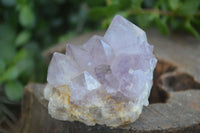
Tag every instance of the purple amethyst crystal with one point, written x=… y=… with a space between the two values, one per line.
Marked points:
x=105 y=81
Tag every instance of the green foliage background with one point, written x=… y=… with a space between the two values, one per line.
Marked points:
x=27 y=27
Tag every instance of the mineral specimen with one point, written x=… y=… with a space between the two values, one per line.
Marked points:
x=105 y=81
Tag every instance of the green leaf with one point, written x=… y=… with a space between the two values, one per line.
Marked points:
x=111 y=10
x=2 y=66
x=27 y=17
x=7 y=52
x=21 y=54
x=99 y=13
x=10 y=74
x=144 y=21
x=28 y=71
x=106 y=23
x=174 y=4
x=136 y=4
x=14 y=90
x=191 y=29
x=162 y=26
x=123 y=14
x=25 y=66
x=162 y=4
x=188 y=7
x=121 y=4
x=7 y=34
x=23 y=38
x=7 y=37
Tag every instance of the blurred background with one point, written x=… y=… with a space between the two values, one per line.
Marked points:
x=28 y=27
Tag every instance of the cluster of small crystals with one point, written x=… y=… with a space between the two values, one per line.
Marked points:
x=107 y=80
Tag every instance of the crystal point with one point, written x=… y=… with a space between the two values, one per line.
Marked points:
x=81 y=85
x=100 y=50
x=58 y=71
x=130 y=36
x=79 y=55
x=107 y=80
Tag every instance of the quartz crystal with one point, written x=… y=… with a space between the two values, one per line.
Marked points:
x=105 y=81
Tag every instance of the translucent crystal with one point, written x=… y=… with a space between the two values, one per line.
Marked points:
x=124 y=37
x=58 y=72
x=81 y=85
x=107 y=80
x=100 y=50
x=79 y=55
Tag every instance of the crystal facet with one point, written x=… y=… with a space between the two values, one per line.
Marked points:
x=58 y=71
x=105 y=81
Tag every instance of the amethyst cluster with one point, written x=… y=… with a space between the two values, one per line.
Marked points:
x=107 y=80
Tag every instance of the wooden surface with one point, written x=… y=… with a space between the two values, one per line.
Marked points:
x=175 y=95
x=180 y=114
